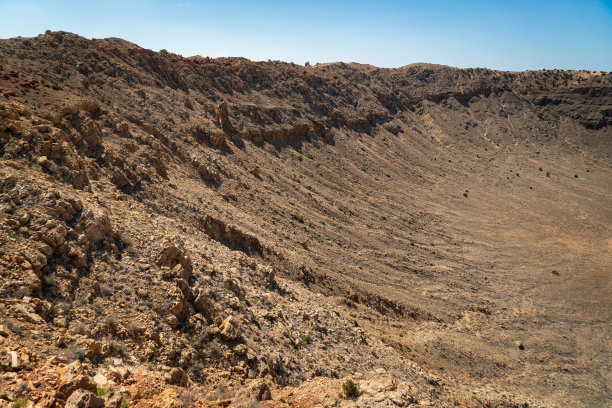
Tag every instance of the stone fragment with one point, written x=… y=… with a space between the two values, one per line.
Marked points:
x=16 y=362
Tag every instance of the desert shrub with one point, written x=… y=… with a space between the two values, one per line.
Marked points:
x=21 y=402
x=349 y=388
x=74 y=352
x=188 y=397
x=219 y=393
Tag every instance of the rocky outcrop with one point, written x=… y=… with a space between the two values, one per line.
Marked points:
x=231 y=236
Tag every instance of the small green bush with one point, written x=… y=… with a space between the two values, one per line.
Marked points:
x=57 y=88
x=21 y=402
x=349 y=388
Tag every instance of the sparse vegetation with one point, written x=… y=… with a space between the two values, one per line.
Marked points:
x=219 y=393
x=233 y=311
x=349 y=389
x=21 y=402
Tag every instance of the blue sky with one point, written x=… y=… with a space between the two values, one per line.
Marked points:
x=508 y=35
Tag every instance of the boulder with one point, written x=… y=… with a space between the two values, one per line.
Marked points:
x=230 y=329
x=123 y=129
x=56 y=236
x=28 y=313
x=37 y=259
x=96 y=224
x=173 y=253
x=113 y=400
x=73 y=378
x=84 y=399
x=31 y=282
x=203 y=302
x=177 y=376
x=178 y=308
x=4 y=331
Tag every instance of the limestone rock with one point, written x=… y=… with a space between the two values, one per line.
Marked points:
x=230 y=329
x=96 y=224
x=84 y=399
x=16 y=362
x=72 y=378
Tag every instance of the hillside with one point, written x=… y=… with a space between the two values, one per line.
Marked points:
x=222 y=231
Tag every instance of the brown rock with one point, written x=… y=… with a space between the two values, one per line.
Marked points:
x=31 y=282
x=174 y=253
x=28 y=313
x=177 y=308
x=113 y=400
x=230 y=329
x=97 y=224
x=84 y=399
x=169 y=398
x=37 y=259
x=185 y=288
x=203 y=302
x=177 y=376
x=4 y=331
x=72 y=378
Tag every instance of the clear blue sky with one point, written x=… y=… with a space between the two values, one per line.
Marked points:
x=507 y=35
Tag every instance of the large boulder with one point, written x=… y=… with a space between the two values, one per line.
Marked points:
x=72 y=378
x=96 y=224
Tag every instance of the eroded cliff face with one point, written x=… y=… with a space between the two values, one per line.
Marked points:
x=196 y=229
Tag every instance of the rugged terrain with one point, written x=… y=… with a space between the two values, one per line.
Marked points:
x=194 y=231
